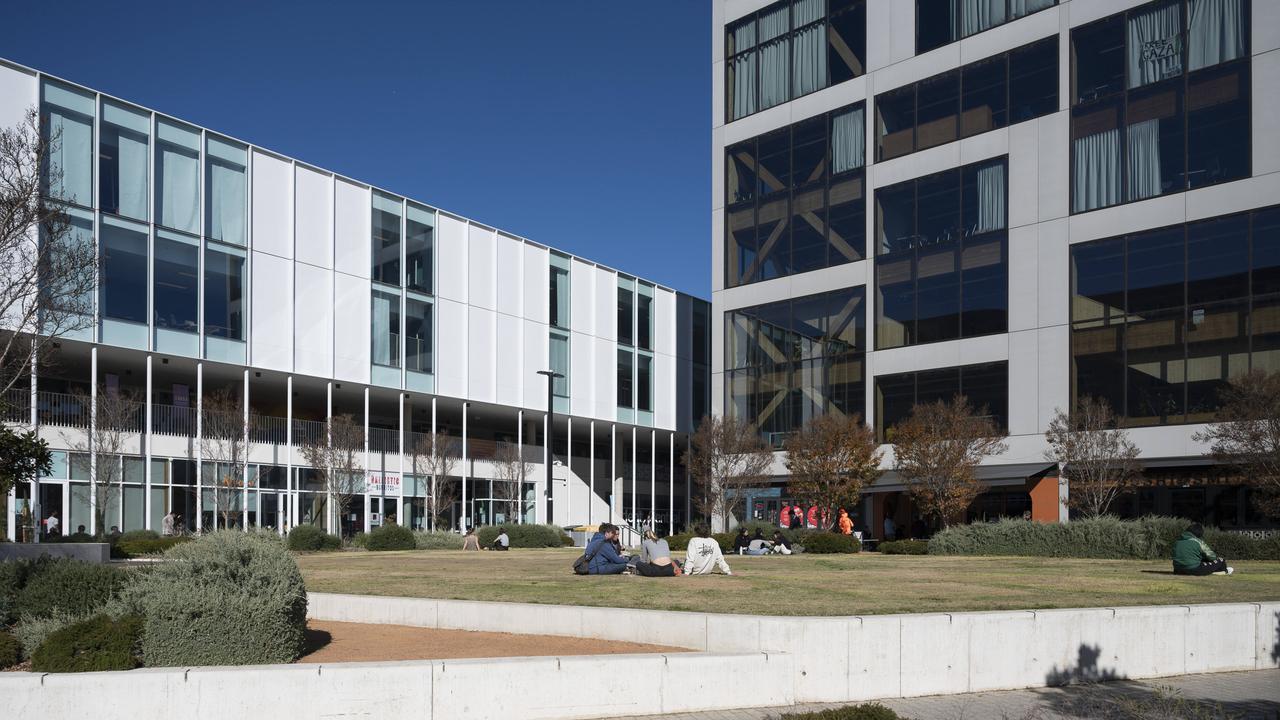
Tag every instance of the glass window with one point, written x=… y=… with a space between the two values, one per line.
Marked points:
x=177 y=283
x=385 y=310
x=937 y=110
x=1098 y=59
x=224 y=294
x=1095 y=156
x=1097 y=364
x=896 y=217
x=984 y=286
x=940 y=22
x=560 y=363
x=1218 y=126
x=937 y=295
x=644 y=382
x=1033 y=80
x=122 y=160
x=626 y=361
x=66 y=118
x=1154 y=141
x=984 y=104
x=986 y=387
x=1097 y=282
x=559 y=293
x=846 y=222
x=938 y=207
x=740 y=69
x=809 y=47
x=1155 y=271
x=846 y=39
x=1264 y=271
x=225 y=188
x=386 y=239
x=896 y=120
x=935 y=24
x=895 y=301
x=626 y=316
x=419 y=248
x=773 y=26
x=417 y=331
x=177 y=176
x=122 y=289
x=1218 y=260
x=644 y=318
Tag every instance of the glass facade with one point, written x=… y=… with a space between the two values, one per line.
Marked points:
x=123 y=139
x=386 y=239
x=224 y=293
x=417 y=332
x=226 y=215
x=559 y=347
x=385 y=328
x=122 y=260
x=941 y=22
x=1162 y=319
x=558 y=304
x=66 y=117
x=177 y=200
x=419 y=249
x=176 y=282
x=986 y=386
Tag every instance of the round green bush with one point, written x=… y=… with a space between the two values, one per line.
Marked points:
x=136 y=535
x=437 y=540
x=904 y=547
x=523 y=536
x=827 y=543
x=10 y=650
x=99 y=643
x=390 y=537
x=307 y=538
x=228 y=598
x=69 y=586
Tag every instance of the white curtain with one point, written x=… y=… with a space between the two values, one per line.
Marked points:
x=1018 y=8
x=133 y=175
x=979 y=15
x=1216 y=32
x=179 y=191
x=774 y=50
x=227 y=199
x=1096 y=178
x=809 y=49
x=1142 y=159
x=848 y=141
x=1155 y=44
x=381 y=330
x=744 y=85
x=991 y=199
x=72 y=159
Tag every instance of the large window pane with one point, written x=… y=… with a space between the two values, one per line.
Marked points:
x=808 y=47
x=808 y=230
x=122 y=161
x=1217 y=350
x=895 y=301
x=1217 y=31
x=938 y=108
x=419 y=248
x=1154 y=43
x=1095 y=157
x=1217 y=260
x=984 y=199
x=386 y=239
x=626 y=316
x=1218 y=126
x=1033 y=80
x=1156 y=271
x=1154 y=141
x=644 y=318
x=559 y=300
x=1097 y=282
x=1097 y=365
x=417 y=332
x=987 y=389
x=985 y=287
x=935 y=24
x=225 y=187
x=644 y=383
x=773 y=27
x=559 y=359
x=626 y=363
x=177 y=176
x=67 y=121
x=896 y=217
x=223 y=294
x=937 y=295
x=847 y=39
x=1265 y=256
x=938 y=207
x=122 y=287
x=1155 y=369
x=1098 y=59
x=846 y=221
x=177 y=284
x=385 y=336
x=983 y=106
x=895 y=122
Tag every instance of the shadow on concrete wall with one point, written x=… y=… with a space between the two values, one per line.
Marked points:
x=1086 y=669
x=1275 y=649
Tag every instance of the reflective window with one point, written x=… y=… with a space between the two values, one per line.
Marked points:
x=225 y=188
x=419 y=248
x=177 y=176
x=986 y=386
x=123 y=137
x=417 y=335
x=177 y=282
x=122 y=287
x=385 y=335
x=941 y=22
x=224 y=293
x=559 y=360
x=626 y=315
x=559 y=300
x=644 y=382
x=644 y=317
x=626 y=369
x=66 y=118
x=386 y=239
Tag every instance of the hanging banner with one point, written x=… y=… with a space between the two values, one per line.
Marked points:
x=382 y=483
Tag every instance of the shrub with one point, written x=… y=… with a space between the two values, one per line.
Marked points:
x=437 y=540
x=826 y=543
x=865 y=711
x=136 y=535
x=10 y=650
x=359 y=540
x=566 y=541
x=78 y=537
x=523 y=536
x=229 y=598
x=99 y=643
x=32 y=631
x=71 y=586
x=145 y=546
x=13 y=577
x=905 y=547
x=308 y=537
x=390 y=537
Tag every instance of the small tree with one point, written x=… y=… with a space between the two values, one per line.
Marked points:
x=1100 y=460
x=435 y=457
x=510 y=470
x=725 y=456
x=830 y=460
x=23 y=458
x=338 y=459
x=223 y=442
x=118 y=422
x=1246 y=434
x=937 y=453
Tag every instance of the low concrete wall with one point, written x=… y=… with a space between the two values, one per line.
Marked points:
x=881 y=656
x=88 y=552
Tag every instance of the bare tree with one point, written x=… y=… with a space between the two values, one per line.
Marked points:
x=338 y=458
x=831 y=459
x=435 y=456
x=938 y=451
x=48 y=267
x=725 y=456
x=1246 y=434
x=105 y=441
x=510 y=469
x=223 y=442
x=1100 y=460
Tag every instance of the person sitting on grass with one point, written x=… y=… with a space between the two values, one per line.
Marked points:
x=502 y=542
x=655 y=558
x=742 y=542
x=781 y=545
x=1193 y=556
x=604 y=557
x=703 y=554
x=470 y=541
x=758 y=545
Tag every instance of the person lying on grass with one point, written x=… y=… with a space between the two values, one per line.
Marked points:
x=1193 y=556
x=703 y=554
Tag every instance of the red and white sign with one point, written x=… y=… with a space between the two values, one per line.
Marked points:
x=382 y=484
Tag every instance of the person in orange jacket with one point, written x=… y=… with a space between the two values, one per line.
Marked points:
x=846 y=525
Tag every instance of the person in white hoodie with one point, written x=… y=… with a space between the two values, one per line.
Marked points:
x=703 y=555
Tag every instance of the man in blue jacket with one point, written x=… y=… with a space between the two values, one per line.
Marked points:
x=605 y=559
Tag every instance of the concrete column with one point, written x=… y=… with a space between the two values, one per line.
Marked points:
x=400 y=493
x=671 y=488
x=591 y=450
x=328 y=441
x=432 y=508
x=653 y=479
x=632 y=520
x=568 y=475
x=613 y=470
x=285 y=508
x=520 y=453
x=244 y=470
x=540 y=507
x=199 y=449
x=466 y=512
x=146 y=449
x=93 y=451
x=367 y=463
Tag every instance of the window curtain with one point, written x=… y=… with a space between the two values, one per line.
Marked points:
x=1216 y=32
x=774 y=28
x=227 y=214
x=72 y=157
x=1142 y=159
x=1018 y=8
x=1155 y=44
x=133 y=174
x=179 y=198
x=991 y=199
x=1095 y=180
x=979 y=15
x=809 y=49
x=848 y=141
x=744 y=71
x=381 y=329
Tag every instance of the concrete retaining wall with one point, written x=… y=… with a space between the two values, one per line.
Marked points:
x=86 y=552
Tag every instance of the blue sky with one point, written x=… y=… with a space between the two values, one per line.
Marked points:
x=582 y=124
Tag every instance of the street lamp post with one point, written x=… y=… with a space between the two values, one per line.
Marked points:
x=551 y=375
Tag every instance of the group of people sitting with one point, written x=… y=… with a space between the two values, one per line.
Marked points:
x=758 y=545
x=605 y=555
x=471 y=541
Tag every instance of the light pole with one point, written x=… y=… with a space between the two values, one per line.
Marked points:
x=551 y=375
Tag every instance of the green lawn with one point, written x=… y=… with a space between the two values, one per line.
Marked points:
x=797 y=585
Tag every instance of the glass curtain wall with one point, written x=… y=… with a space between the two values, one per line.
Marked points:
x=123 y=139
x=122 y=286
x=941 y=22
x=225 y=191
x=386 y=239
x=385 y=333
x=66 y=117
x=985 y=386
x=224 y=293
x=419 y=248
x=176 y=286
x=418 y=336
x=558 y=302
x=177 y=176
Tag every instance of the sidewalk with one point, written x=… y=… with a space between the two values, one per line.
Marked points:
x=1241 y=696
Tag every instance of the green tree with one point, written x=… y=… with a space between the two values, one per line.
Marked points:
x=23 y=457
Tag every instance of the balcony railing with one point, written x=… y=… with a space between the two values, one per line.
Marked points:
x=384 y=440
x=15 y=406
x=308 y=432
x=269 y=430
x=61 y=410
x=174 y=420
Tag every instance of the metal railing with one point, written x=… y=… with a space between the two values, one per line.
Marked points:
x=268 y=429
x=308 y=432
x=173 y=420
x=16 y=406
x=384 y=440
x=61 y=410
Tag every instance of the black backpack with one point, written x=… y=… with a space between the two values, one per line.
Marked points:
x=582 y=565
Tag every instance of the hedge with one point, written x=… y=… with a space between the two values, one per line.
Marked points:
x=136 y=535
x=13 y=577
x=1108 y=538
x=69 y=586
x=32 y=631
x=904 y=547
x=390 y=537
x=865 y=711
x=146 y=546
x=437 y=540
x=229 y=598
x=523 y=536
x=826 y=543
x=308 y=537
x=99 y=643
x=10 y=650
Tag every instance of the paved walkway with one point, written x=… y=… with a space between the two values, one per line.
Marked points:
x=1238 y=696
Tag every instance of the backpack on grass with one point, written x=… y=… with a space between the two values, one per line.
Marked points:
x=582 y=565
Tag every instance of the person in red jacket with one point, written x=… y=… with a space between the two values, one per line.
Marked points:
x=846 y=525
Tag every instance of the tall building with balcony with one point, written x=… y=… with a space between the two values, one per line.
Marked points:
x=1022 y=201
x=227 y=269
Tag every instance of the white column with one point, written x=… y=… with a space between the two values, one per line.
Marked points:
x=367 y=464
x=671 y=491
x=285 y=507
x=244 y=490
x=93 y=451
x=465 y=515
x=400 y=493
x=540 y=511
x=199 y=449
x=328 y=441
x=613 y=470
x=591 y=472
x=568 y=474
x=520 y=453
x=433 y=509
x=146 y=449
x=653 y=479
x=632 y=520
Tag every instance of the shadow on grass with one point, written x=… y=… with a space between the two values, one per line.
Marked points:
x=314 y=640
x=1156 y=572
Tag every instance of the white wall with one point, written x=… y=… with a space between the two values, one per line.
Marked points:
x=351 y=329
x=272 y=205
x=352 y=229
x=313 y=321
x=270 y=317
x=313 y=217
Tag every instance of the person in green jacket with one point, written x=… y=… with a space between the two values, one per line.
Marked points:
x=1193 y=556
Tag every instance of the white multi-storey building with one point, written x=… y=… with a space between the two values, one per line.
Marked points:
x=225 y=267
x=1022 y=201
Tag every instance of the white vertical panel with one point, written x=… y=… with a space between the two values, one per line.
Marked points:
x=351 y=328
x=510 y=361
x=451 y=253
x=481 y=364
x=352 y=230
x=1022 y=174
x=20 y=92
x=581 y=296
x=451 y=350
x=536 y=354
x=1022 y=262
x=664 y=321
x=1023 y=381
x=1053 y=364
x=313 y=217
x=606 y=379
x=1266 y=111
x=537 y=285
x=272 y=205
x=313 y=321
x=509 y=252
x=879 y=15
x=1053 y=164
x=581 y=387
x=606 y=304
x=272 y=296
x=481 y=270
x=1053 y=290
x=664 y=391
